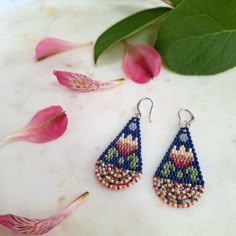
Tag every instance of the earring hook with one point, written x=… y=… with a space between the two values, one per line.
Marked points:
x=138 y=105
x=185 y=123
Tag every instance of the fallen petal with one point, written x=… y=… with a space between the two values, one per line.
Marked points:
x=46 y=125
x=83 y=83
x=28 y=226
x=50 y=46
x=141 y=63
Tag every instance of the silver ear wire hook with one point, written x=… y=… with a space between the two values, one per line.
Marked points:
x=139 y=113
x=185 y=123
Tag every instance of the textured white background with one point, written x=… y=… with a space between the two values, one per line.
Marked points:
x=39 y=180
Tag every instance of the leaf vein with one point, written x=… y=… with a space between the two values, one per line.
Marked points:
x=200 y=54
x=223 y=47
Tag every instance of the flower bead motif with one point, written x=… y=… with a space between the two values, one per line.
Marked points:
x=178 y=180
x=120 y=165
x=181 y=157
x=127 y=145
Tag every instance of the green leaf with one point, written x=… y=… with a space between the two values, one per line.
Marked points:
x=199 y=37
x=127 y=27
x=176 y=2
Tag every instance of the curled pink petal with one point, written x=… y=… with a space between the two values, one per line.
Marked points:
x=50 y=46
x=46 y=125
x=83 y=83
x=141 y=63
x=28 y=226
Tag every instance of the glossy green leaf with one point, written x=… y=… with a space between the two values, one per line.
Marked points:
x=199 y=37
x=127 y=27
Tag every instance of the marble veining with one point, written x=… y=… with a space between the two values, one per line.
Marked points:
x=39 y=180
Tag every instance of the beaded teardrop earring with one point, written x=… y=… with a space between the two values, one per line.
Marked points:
x=120 y=165
x=178 y=180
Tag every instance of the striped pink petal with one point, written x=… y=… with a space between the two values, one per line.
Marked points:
x=28 y=226
x=141 y=63
x=46 y=125
x=83 y=83
x=50 y=46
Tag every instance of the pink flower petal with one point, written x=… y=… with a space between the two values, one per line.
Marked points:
x=141 y=63
x=46 y=125
x=50 y=46
x=83 y=83
x=28 y=226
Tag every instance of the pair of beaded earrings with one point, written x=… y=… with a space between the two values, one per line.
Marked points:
x=177 y=181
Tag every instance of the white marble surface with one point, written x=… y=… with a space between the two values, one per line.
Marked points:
x=39 y=180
